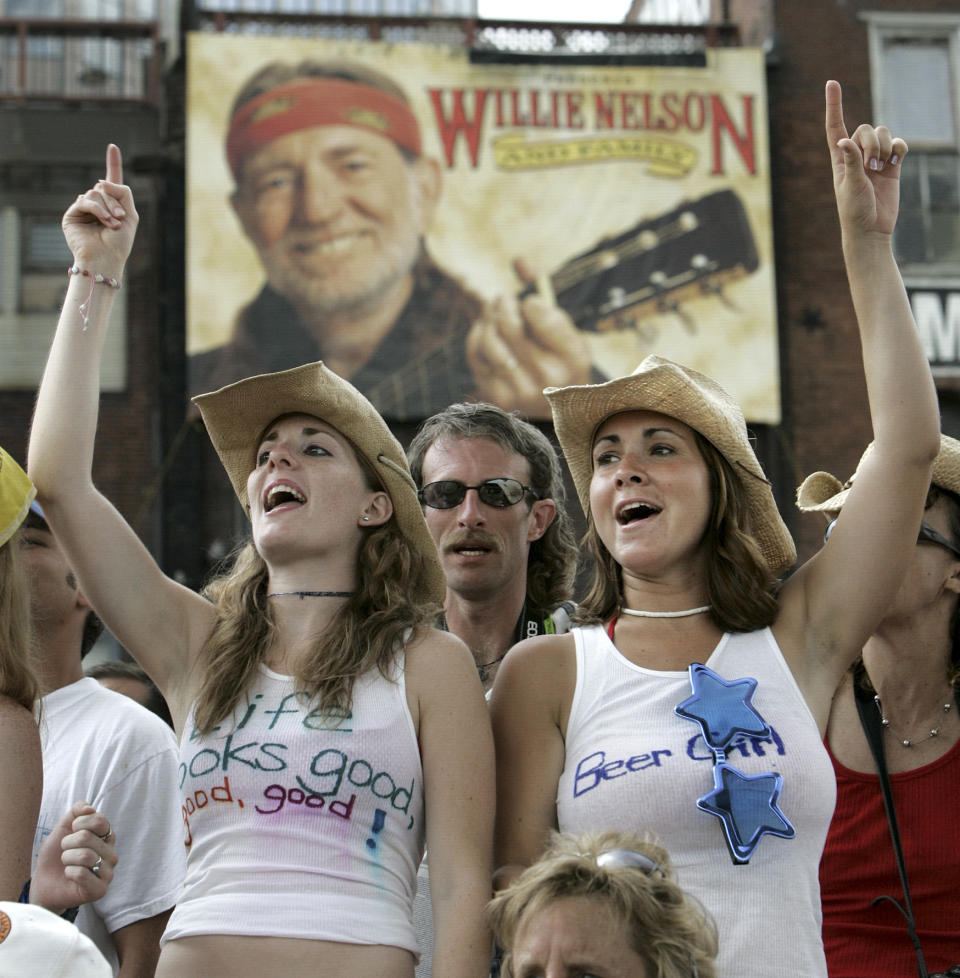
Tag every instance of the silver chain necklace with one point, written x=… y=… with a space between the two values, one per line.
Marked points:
x=904 y=742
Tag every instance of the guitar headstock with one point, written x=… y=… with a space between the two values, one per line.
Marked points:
x=655 y=266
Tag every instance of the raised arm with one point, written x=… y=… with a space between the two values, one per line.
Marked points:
x=160 y=622
x=834 y=603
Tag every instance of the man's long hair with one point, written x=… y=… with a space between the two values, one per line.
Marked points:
x=553 y=558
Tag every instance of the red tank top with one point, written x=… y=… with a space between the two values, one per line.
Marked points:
x=858 y=865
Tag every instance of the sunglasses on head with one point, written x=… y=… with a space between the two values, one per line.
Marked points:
x=630 y=859
x=627 y=858
x=499 y=493
x=927 y=534
x=746 y=804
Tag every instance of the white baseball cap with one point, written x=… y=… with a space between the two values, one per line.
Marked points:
x=37 y=943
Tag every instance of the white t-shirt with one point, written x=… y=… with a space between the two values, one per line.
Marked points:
x=632 y=764
x=303 y=822
x=102 y=747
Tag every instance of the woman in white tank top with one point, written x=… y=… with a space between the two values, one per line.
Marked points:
x=611 y=727
x=320 y=716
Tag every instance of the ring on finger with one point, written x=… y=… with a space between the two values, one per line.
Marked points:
x=95 y=868
x=106 y=836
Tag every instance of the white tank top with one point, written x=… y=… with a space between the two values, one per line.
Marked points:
x=633 y=764
x=301 y=824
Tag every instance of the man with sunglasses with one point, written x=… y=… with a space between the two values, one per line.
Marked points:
x=908 y=681
x=493 y=497
x=494 y=501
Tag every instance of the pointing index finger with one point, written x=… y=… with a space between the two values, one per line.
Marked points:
x=835 y=128
x=114 y=164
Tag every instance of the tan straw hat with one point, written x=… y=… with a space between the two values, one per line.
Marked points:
x=691 y=397
x=16 y=494
x=237 y=415
x=825 y=493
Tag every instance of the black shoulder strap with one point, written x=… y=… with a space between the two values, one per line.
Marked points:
x=873 y=729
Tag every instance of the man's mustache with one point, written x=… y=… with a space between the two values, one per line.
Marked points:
x=471 y=540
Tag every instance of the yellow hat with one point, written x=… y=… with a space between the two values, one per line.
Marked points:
x=16 y=494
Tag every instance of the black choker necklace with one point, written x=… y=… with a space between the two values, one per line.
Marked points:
x=312 y=594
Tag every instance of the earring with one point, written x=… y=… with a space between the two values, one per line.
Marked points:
x=366 y=519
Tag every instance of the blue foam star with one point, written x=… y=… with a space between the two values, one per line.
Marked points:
x=747 y=807
x=723 y=708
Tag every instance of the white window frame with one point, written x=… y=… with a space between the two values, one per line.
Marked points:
x=883 y=26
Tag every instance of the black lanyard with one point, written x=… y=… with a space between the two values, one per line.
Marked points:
x=873 y=729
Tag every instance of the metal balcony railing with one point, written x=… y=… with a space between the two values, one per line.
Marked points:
x=79 y=60
x=486 y=39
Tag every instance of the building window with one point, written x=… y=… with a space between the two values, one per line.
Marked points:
x=926 y=111
x=33 y=279
x=44 y=259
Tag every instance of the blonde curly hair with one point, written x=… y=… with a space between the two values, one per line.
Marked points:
x=669 y=930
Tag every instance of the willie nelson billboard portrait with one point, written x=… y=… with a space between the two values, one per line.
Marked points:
x=436 y=230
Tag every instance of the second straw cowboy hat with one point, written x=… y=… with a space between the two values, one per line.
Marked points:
x=237 y=415
x=16 y=494
x=825 y=493
x=698 y=401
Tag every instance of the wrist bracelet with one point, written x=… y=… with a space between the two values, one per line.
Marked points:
x=96 y=278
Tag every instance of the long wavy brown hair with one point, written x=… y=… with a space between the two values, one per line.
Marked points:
x=368 y=632
x=17 y=678
x=740 y=585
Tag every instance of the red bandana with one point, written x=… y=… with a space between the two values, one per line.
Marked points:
x=311 y=102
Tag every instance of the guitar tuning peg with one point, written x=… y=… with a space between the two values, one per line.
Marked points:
x=715 y=289
x=688 y=321
x=645 y=330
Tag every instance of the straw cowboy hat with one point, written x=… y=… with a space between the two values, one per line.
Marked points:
x=16 y=494
x=825 y=493
x=237 y=415
x=691 y=397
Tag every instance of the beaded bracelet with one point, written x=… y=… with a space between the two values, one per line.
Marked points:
x=96 y=278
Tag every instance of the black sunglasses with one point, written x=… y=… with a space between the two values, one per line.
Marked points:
x=927 y=534
x=448 y=493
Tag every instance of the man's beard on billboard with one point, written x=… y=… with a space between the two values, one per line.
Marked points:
x=322 y=296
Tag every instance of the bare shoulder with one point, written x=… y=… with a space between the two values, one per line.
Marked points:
x=20 y=736
x=433 y=654
x=537 y=670
x=546 y=657
x=439 y=674
x=18 y=728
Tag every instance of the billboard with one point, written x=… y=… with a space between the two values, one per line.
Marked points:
x=438 y=230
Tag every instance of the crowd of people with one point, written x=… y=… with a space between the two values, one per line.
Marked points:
x=389 y=704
